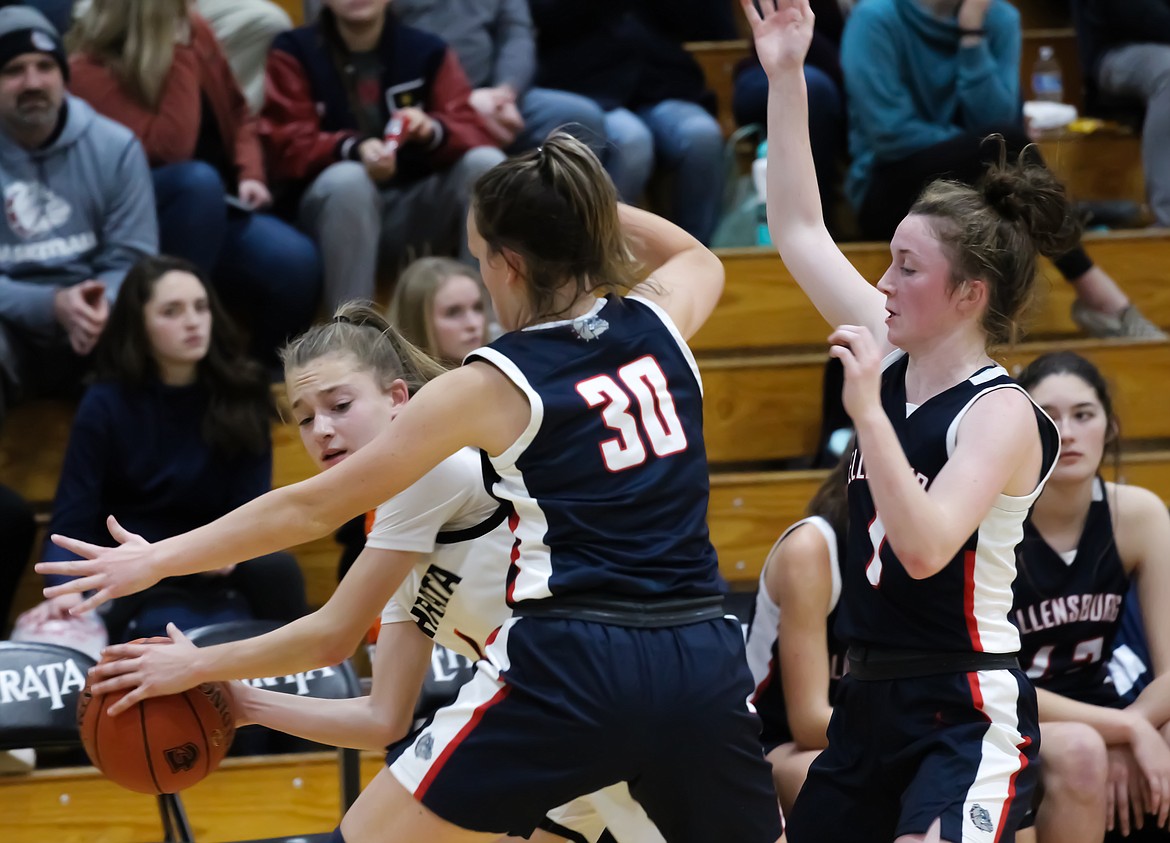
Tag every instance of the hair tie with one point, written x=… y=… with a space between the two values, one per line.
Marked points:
x=342 y=318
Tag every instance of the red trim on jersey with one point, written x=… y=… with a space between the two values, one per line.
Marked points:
x=491 y=639
x=976 y=694
x=514 y=572
x=1011 y=797
x=765 y=682
x=470 y=642
x=476 y=716
x=969 y=600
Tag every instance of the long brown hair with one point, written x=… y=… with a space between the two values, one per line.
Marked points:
x=412 y=310
x=134 y=37
x=239 y=407
x=556 y=208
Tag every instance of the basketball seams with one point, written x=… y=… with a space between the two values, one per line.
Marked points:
x=202 y=731
x=146 y=744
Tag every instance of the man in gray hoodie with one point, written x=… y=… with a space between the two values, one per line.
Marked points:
x=78 y=212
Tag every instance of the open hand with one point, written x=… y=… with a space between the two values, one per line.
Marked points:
x=782 y=30
x=109 y=572
x=148 y=668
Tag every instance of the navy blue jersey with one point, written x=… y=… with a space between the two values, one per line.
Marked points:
x=763 y=643
x=1069 y=612
x=609 y=480
x=965 y=606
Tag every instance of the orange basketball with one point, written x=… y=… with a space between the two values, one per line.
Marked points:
x=162 y=744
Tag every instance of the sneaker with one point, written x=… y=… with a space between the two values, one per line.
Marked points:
x=17 y=761
x=1128 y=324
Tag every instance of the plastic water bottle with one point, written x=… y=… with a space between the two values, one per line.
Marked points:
x=760 y=180
x=1047 y=79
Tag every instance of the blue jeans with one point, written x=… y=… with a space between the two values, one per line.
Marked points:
x=545 y=109
x=826 y=120
x=687 y=141
x=263 y=268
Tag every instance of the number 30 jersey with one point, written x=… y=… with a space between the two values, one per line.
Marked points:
x=609 y=480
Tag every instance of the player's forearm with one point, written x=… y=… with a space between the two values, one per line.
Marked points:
x=792 y=196
x=1154 y=702
x=351 y=723
x=305 y=644
x=1115 y=726
x=914 y=524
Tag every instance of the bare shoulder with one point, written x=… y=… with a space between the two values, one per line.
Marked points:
x=798 y=567
x=1137 y=512
x=1002 y=415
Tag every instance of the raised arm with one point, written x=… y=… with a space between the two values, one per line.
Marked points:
x=686 y=278
x=474 y=405
x=782 y=35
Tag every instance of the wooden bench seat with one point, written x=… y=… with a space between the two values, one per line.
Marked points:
x=762 y=307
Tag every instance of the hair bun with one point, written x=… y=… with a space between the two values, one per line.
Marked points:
x=1026 y=193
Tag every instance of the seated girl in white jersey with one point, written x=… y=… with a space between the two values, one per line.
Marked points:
x=934 y=730
x=618 y=664
x=795 y=658
x=1102 y=757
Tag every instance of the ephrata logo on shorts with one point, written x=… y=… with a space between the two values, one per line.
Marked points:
x=981 y=818
x=181 y=758
x=424 y=747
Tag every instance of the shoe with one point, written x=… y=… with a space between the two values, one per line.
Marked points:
x=1128 y=324
x=17 y=761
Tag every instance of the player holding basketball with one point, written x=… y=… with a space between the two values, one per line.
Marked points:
x=1084 y=543
x=619 y=664
x=347 y=380
x=934 y=733
x=795 y=658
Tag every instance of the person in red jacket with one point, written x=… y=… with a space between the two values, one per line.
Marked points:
x=371 y=134
x=157 y=68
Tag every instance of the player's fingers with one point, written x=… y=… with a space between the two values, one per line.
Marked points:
x=92 y=602
x=1162 y=809
x=1110 y=806
x=116 y=653
x=133 y=698
x=89 y=551
x=119 y=533
x=750 y=11
x=1123 y=808
x=74 y=586
x=176 y=634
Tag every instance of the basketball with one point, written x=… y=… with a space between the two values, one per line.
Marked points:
x=162 y=744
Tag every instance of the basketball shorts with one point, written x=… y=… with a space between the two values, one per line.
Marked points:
x=960 y=747
x=560 y=708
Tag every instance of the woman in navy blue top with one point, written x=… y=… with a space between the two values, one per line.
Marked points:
x=173 y=433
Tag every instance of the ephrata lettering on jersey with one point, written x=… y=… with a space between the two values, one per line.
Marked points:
x=434 y=593
x=857 y=470
x=1073 y=608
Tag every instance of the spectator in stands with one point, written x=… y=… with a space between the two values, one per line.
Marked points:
x=245 y=29
x=657 y=106
x=926 y=82
x=173 y=434
x=826 y=97
x=371 y=132
x=16 y=540
x=1125 y=54
x=441 y=306
x=79 y=212
x=496 y=46
x=156 y=67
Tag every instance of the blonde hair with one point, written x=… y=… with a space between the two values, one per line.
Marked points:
x=412 y=310
x=361 y=331
x=136 y=38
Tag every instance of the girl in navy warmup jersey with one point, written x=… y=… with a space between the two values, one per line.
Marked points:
x=1084 y=544
x=618 y=664
x=934 y=731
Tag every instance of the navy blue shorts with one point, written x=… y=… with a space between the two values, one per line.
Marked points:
x=561 y=708
x=903 y=752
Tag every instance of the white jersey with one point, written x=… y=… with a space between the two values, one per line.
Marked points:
x=455 y=593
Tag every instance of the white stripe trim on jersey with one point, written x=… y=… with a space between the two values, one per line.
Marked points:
x=658 y=311
x=544 y=326
x=1001 y=758
x=536 y=405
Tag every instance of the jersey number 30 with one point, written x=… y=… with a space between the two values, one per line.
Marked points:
x=644 y=385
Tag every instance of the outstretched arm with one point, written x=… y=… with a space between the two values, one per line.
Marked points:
x=400 y=666
x=782 y=35
x=475 y=405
